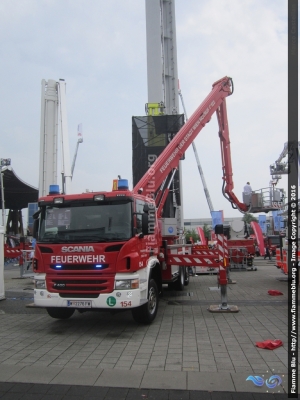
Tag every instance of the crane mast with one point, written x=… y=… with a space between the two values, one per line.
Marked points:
x=162 y=72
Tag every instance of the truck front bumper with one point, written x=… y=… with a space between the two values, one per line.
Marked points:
x=117 y=299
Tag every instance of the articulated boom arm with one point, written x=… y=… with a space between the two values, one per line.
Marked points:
x=228 y=185
x=170 y=157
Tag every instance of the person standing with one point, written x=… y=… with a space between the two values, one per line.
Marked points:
x=257 y=251
x=247 y=188
x=268 y=254
x=247 y=194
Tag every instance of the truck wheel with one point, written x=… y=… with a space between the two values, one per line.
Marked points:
x=186 y=276
x=179 y=284
x=146 y=313
x=60 y=313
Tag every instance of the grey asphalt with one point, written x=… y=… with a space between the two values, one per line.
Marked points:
x=187 y=352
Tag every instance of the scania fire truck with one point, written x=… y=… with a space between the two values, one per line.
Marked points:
x=113 y=250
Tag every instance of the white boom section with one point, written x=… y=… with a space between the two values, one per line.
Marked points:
x=48 y=136
x=162 y=75
x=66 y=166
x=154 y=52
x=206 y=192
x=79 y=140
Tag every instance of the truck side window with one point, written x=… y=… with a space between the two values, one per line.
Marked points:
x=139 y=205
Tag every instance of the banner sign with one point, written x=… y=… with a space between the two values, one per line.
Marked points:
x=278 y=221
x=262 y=222
x=217 y=218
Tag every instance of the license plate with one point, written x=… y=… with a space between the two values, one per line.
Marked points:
x=79 y=304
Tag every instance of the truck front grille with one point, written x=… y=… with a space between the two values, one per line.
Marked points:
x=68 y=286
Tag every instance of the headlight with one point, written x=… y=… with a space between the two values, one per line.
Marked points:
x=127 y=284
x=40 y=284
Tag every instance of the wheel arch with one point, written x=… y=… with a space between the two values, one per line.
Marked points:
x=155 y=273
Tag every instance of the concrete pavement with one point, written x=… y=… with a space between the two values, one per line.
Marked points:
x=186 y=352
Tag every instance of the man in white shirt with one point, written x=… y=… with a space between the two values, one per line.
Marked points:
x=247 y=188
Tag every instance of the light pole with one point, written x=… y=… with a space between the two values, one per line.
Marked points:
x=4 y=162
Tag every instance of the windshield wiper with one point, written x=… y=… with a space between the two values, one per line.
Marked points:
x=53 y=240
x=94 y=239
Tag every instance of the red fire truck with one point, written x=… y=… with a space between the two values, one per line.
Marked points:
x=113 y=250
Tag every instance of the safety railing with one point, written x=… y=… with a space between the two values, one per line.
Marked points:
x=25 y=264
x=265 y=199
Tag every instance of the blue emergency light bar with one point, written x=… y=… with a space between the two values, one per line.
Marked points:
x=123 y=184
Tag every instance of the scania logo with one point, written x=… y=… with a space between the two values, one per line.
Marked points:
x=77 y=249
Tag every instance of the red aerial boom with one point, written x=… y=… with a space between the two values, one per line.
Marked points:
x=157 y=175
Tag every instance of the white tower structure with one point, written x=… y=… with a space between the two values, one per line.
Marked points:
x=162 y=75
x=48 y=136
x=53 y=116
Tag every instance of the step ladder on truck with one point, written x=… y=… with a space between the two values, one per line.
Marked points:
x=113 y=250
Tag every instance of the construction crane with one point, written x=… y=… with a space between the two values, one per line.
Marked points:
x=282 y=168
x=206 y=192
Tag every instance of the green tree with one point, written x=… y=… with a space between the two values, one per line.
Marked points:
x=191 y=233
x=249 y=218
x=207 y=231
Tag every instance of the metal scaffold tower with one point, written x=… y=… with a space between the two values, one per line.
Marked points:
x=162 y=74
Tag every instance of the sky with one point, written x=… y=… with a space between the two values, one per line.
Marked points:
x=99 y=48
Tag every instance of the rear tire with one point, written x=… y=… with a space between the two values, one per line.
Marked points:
x=146 y=313
x=60 y=313
x=179 y=283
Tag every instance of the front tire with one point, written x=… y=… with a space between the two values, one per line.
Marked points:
x=60 y=313
x=146 y=313
x=186 y=276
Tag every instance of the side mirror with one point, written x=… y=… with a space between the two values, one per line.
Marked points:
x=145 y=223
x=35 y=228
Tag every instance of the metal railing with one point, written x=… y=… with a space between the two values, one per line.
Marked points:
x=25 y=264
x=265 y=199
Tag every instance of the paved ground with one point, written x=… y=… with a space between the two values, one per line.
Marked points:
x=187 y=353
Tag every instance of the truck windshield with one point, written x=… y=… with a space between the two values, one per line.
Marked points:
x=86 y=222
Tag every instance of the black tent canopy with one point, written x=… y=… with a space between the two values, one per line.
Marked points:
x=17 y=194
